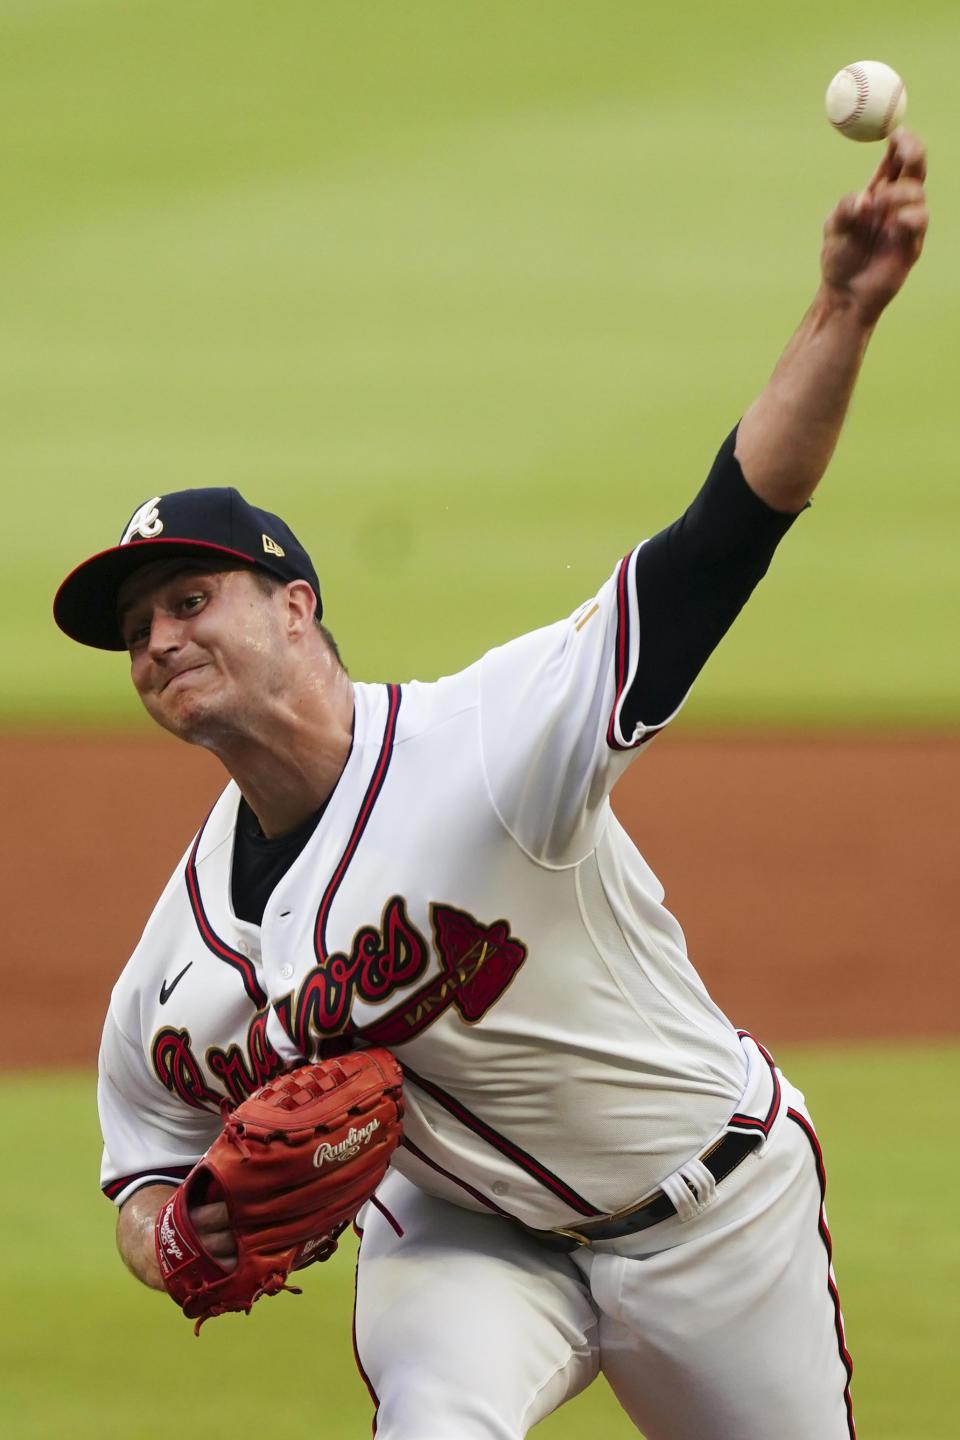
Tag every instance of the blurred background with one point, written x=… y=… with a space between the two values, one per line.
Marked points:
x=469 y=294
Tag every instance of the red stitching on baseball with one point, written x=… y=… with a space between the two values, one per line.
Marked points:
x=894 y=102
x=863 y=92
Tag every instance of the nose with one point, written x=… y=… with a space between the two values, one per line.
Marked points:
x=166 y=633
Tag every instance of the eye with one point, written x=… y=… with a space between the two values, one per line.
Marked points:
x=192 y=602
x=137 y=636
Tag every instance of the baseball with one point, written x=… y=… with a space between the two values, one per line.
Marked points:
x=865 y=101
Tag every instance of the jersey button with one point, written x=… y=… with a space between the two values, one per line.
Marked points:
x=285 y=972
x=499 y=1187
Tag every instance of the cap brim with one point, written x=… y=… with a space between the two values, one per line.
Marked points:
x=85 y=606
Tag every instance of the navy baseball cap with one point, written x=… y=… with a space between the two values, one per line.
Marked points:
x=193 y=524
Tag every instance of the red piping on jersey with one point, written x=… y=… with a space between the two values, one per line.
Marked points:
x=210 y=938
x=847 y=1363
x=375 y=1398
x=622 y=665
x=233 y=957
x=520 y=1158
x=369 y=800
x=418 y=1154
x=623 y=652
x=158 y=1175
x=752 y=1122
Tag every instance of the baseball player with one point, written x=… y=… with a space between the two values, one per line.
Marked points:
x=598 y=1171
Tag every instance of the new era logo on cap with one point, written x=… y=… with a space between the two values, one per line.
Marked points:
x=187 y=523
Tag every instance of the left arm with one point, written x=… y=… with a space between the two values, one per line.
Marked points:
x=871 y=243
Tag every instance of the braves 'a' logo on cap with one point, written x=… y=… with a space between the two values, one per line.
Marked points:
x=145 y=522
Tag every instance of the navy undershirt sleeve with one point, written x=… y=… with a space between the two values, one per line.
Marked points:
x=693 y=579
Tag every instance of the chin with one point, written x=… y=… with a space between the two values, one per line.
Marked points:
x=194 y=722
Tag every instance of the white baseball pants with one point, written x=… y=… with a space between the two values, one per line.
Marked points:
x=722 y=1327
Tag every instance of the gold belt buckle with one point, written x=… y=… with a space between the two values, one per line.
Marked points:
x=575 y=1235
x=587 y=1239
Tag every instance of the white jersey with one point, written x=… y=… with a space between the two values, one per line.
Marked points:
x=469 y=900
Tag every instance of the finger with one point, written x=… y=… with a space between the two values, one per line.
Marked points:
x=899 y=212
x=882 y=208
x=913 y=221
x=888 y=168
x=893 y=195
x=221 y=1245
x=911 y=154
x=207 y=1218
x=847 y=215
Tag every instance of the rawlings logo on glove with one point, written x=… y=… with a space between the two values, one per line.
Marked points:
x=293 y=1165
x=351 y=1144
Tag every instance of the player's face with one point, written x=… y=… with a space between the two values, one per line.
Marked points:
x=206 y=649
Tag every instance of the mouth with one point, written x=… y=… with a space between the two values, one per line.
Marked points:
x=187 y=670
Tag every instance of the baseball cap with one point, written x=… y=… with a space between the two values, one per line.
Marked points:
x=194 y=524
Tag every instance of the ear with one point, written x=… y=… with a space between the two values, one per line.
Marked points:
x=301 y=606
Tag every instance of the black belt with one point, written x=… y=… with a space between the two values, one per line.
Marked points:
x=720 y=1159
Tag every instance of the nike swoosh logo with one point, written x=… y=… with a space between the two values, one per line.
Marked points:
x=167 y=990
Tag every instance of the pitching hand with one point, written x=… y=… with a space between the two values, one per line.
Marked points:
x=872 y=240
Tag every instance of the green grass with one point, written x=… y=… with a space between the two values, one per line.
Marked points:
x=469 y=294
x=85 y=1351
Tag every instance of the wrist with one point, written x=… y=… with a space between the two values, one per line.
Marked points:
x=835 y=303
x=136 y=1226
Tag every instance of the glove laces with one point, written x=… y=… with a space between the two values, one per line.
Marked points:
x=233 y=1129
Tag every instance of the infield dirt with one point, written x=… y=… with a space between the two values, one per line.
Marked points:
x=816 y=880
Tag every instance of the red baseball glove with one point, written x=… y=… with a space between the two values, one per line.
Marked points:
x=293 y=1164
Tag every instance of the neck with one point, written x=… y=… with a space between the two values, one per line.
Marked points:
x=288 y=769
